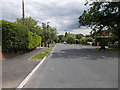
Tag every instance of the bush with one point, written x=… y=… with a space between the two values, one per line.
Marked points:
x=34 y=40
x=83 y=41
x=105 y=40
x=77 y=41
x=71 y=40
x=86 y=40
x=16 y=37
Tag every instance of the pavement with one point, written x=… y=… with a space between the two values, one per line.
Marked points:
x=15 y=70
x=72 y=66
x=0 y=53
x=0 y=59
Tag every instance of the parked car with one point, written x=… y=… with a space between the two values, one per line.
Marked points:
x=65 y=42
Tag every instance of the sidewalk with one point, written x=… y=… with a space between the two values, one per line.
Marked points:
x=15 y=70
x=0 y=56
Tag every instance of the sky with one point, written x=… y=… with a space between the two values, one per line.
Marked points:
x=62 y=14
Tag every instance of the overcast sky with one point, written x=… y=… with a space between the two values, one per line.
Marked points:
x=61 y=14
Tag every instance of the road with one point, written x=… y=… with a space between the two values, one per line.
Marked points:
x=72 y=66
x=15 y=69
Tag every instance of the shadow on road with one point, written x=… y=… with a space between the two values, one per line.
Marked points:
x=85 y=53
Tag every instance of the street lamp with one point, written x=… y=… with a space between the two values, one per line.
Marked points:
x=47 y=25
x=48 y=35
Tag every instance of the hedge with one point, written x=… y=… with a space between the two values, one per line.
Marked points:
x=34 y=40
x=16 y=37
x=105 y=40
x=86 y=40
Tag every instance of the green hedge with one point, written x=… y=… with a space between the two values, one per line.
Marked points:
x=16 y=37
x=105 y=40
x=86 y=40
x=34 y=40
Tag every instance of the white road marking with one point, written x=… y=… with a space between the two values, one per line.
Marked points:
x=32 y=72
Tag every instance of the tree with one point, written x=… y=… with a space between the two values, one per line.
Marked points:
x=29 y=22
x=79 y=36
x=70 y=38
x=37 y=30
x=48 y=34
x=86 y=40
x=56 y=39
x=53 y=34
x=61 y=38
x=66 y=34
x=44 y=34
x=102 y=16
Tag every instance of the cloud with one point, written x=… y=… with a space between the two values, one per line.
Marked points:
x=61 y=14
x=10 y=11
x=85 y=31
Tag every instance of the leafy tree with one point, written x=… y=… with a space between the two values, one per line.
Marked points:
x=86 y=40
x=61 y=38
x=53 y=34
x=101 y=16
x=48 y=34
x=66 y=34
x=45 y=33
x=30 y=23
x=56 y=40
x=79 y=36
x=37 y=30
x=70 y=38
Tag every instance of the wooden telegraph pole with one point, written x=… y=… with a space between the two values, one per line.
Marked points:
x=23 y=12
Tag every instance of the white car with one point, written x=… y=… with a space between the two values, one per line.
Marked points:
x=65 y=42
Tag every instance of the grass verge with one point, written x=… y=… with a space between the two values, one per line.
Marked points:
x=43 y=53
x=111 y=49
x=77 y=45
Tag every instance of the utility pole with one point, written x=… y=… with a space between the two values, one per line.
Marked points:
x=23 y=12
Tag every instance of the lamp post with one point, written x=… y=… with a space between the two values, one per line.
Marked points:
x=48 y=35
x=47 y=25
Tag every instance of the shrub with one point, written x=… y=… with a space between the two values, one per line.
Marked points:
x=34 y=40
x=105 y=40
x=86 y=40
x=83 y=41
x=71 y=40
x=16 y=37
x=77 y=41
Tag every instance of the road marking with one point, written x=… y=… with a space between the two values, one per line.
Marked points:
x=29 y=76
x=84 y=57
x=32 y=72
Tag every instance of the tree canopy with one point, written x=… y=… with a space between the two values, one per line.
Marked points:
x=102 y=16
x=30 y=23
x=47 y=32
x=70 y=38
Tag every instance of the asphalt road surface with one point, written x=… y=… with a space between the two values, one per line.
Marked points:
x=72 y=66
